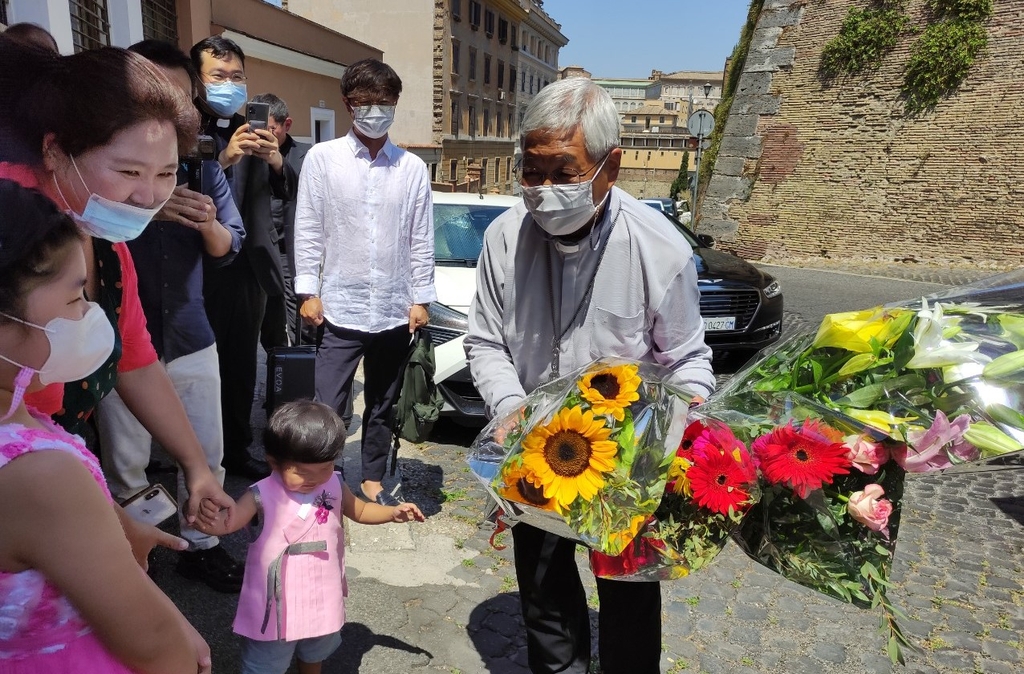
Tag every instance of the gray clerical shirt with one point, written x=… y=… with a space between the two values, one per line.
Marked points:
x=645 y=304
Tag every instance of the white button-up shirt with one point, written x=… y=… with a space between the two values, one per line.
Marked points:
x=364 y=234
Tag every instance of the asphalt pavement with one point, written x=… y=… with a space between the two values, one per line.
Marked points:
x=437 y=597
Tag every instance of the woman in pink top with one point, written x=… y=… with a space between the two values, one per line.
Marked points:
x=72 y=597
x=292 y=600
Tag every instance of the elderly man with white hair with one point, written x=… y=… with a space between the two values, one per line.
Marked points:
x=579 y=271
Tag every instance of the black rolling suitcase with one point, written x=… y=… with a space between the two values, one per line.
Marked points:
x=291 y=373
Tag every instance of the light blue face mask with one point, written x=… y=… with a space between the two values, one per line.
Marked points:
x=106 y=219
x=225 y=98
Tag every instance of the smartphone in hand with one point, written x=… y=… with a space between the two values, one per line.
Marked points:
x=152 y=505
x=193 y=168
x=257 y=115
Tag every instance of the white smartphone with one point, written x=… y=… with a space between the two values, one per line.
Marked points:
x=153 y=505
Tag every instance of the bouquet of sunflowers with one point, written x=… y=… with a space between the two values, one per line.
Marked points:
x=587 y=455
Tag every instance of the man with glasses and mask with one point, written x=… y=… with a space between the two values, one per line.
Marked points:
x=580 y=271
x=364 y=259
x=236 y=293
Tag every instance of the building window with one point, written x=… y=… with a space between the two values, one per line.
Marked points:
x=472 y=121
x=508 y=168
x=502 y=30
x=633 y=119
x=456 y=54
x=531 y=84
x=453 y=170
x=487 y=121
x=489 y=23
x=90 y=26
x=497 y=124
x=3 y=13
x=159 y=20
x=546 y=83
x=455 y=117
x=487 y=68
x=511 y=78
x=501 y=74
x=661 y=119
x=472 y=63
x=515 y=38
x=457 y=10
x=483 y=168
x=474 y=14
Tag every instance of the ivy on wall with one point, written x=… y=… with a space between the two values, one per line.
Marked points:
x=940 y=57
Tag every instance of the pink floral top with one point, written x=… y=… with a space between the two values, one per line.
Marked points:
x=39 y=628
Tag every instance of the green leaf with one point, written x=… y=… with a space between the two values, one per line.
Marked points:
x=1006 y=415
x=893 y=649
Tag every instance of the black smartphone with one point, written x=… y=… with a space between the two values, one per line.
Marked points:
x=207 y=147
x=257 y=115
x=193 y=168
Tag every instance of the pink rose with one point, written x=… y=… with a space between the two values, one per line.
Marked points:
x=868 y=508
x=867 y=456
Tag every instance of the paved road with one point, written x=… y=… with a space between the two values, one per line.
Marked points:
x=436 y=597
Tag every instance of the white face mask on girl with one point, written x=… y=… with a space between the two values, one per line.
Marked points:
x=561 y=210
x=373 y=121
x=77 y=349
x=106 y=219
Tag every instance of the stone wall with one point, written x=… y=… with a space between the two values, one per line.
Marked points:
x=646 y=183
x=806 y=169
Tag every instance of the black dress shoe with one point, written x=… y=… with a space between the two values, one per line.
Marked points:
x=249 y=468
x=214 y=567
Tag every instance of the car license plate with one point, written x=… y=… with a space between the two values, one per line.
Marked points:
x=720 y=323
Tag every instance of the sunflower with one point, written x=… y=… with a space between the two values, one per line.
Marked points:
x=570 y=455
x=520 y=484
x=802 y=458
x=611 y=390
x=720 y=480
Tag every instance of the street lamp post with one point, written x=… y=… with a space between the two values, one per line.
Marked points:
x=700 y=124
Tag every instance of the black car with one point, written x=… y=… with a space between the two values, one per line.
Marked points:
x=740 y=304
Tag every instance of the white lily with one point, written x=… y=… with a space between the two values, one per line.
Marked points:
x=932 y=346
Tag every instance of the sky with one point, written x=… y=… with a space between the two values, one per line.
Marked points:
x=629 y=38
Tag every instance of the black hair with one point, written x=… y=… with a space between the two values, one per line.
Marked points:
x=34 y=238
x=219 y=46
x=304 y=431
x=278 y=108
x=372 y=77
x=167 y=55
x=31 y=34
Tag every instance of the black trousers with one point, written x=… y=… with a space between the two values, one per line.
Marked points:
x=278 y=327
x=235 y=303
x=383 y=355
x=554 y=606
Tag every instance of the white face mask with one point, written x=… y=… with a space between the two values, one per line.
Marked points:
x=77 y=349
x=561 y=210
x=106 y=219
x=373 y=121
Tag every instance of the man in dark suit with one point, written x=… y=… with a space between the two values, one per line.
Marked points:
x=236 y=294
x=280 y=318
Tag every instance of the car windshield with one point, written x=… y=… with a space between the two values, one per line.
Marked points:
x=459 y=231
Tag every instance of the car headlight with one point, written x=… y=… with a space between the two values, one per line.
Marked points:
x=442 y=316
x=773 y=289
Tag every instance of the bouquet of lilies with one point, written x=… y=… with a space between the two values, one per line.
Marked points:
x=941 y=377
x=587 y=455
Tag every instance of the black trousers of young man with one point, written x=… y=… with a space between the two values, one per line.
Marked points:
x=383 y=355
x=554 y=606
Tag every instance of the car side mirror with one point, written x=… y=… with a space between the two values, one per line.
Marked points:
x=706 y=240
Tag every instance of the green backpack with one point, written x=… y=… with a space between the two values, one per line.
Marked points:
x=419 y=404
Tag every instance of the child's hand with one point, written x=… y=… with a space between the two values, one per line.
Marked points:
x=209 y=516
x=407 y=512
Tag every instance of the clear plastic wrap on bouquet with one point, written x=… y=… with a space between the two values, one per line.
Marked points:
x=587 y=455
x=942 y=376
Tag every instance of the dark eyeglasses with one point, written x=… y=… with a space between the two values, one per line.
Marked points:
x=529 y=176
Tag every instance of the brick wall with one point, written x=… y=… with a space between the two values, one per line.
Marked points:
x=811 y=170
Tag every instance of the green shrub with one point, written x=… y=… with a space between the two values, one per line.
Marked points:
x=866 y=36
x=940 y=60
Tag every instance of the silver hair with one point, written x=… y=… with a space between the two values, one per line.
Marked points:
x=564 y=105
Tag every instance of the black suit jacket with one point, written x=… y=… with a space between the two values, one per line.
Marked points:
x=294 y=152
x=253 y=184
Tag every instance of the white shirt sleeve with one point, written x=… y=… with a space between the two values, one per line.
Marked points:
x=309 y=226
x=678 y=332
x=422 y=243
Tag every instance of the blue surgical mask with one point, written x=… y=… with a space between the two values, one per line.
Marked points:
x=106 y=219
x=225 y=98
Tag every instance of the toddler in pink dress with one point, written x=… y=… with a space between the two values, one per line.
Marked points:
x=292 y=599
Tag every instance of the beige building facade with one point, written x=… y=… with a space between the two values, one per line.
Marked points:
x=653 y=139
x=540 y=41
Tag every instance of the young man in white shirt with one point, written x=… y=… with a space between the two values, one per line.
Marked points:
x=364 y=258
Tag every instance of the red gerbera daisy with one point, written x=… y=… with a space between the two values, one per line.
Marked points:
x=721 y=480
x=716 y=436
x=691 y=433
x=802 y=458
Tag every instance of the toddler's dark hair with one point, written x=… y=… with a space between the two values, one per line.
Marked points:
x=304 y=431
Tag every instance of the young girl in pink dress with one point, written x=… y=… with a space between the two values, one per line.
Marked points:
x=72 y=597
x=292 y=600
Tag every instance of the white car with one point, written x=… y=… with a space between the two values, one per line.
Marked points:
x=459 y=223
